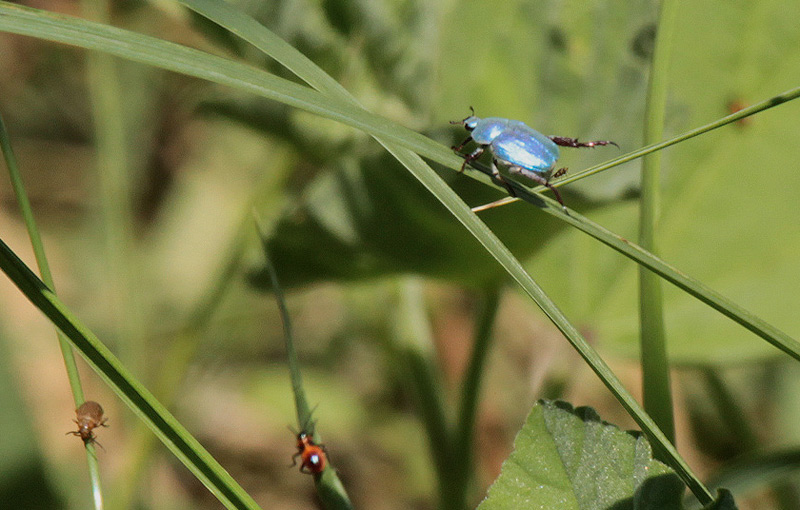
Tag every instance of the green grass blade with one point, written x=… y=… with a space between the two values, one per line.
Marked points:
x=330 y=489
x=500 y=252
x=656 y=391
x=715 y=300
x=181 y=59
x=174 y=436
x=73 y=376
x=41 y=258
x=772 y=102
x=250 y=30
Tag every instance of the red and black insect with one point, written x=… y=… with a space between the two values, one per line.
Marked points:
x=90 y=416
x=312 y=456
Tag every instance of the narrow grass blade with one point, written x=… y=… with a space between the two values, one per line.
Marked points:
x=330 y=489
x=656 y=389
x=181 y=59
x=493 y=245
x=67 y=354
x=174 y=436
x=772 y=102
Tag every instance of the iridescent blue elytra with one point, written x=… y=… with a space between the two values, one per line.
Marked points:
x=519 y=147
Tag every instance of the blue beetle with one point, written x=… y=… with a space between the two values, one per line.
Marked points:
x=519 y=147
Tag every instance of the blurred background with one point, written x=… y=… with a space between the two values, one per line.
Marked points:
x=144 y=183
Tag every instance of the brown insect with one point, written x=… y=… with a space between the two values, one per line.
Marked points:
x=90 y=416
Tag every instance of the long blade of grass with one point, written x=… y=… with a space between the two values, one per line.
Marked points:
x=330 y=489
x=656 y=391
x=693 y=287
x=501 y=253
x=174 y=436
x=761 y=106
x=44 y=269
x=68 y=30
x=181 y=59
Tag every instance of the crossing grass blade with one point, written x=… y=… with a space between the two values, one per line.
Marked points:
x=174 y=436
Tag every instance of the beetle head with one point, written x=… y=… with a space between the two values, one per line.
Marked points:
x=470 y=122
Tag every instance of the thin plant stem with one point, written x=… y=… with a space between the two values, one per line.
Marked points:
x=330 y=489
x=67 y=353
x=172 y=434
x=462 y=452
x=413 y=347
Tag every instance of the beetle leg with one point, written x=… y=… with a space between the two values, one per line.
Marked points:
x=540 y=180
x=294 y=460
x=496 y=175
x=472 y=156
x=573 y=142
x=93 y=440
x=462 y=144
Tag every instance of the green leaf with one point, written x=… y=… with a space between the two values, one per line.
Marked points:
x=566 y=458
x=728 y=209
x=377 y=216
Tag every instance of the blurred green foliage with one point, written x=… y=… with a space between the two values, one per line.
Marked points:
x=344 y=211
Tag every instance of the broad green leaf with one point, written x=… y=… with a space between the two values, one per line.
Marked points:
x=372 y=213
x=566 y=458
x=728 y=210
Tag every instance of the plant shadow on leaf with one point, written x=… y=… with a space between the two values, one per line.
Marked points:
x=369 y=218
